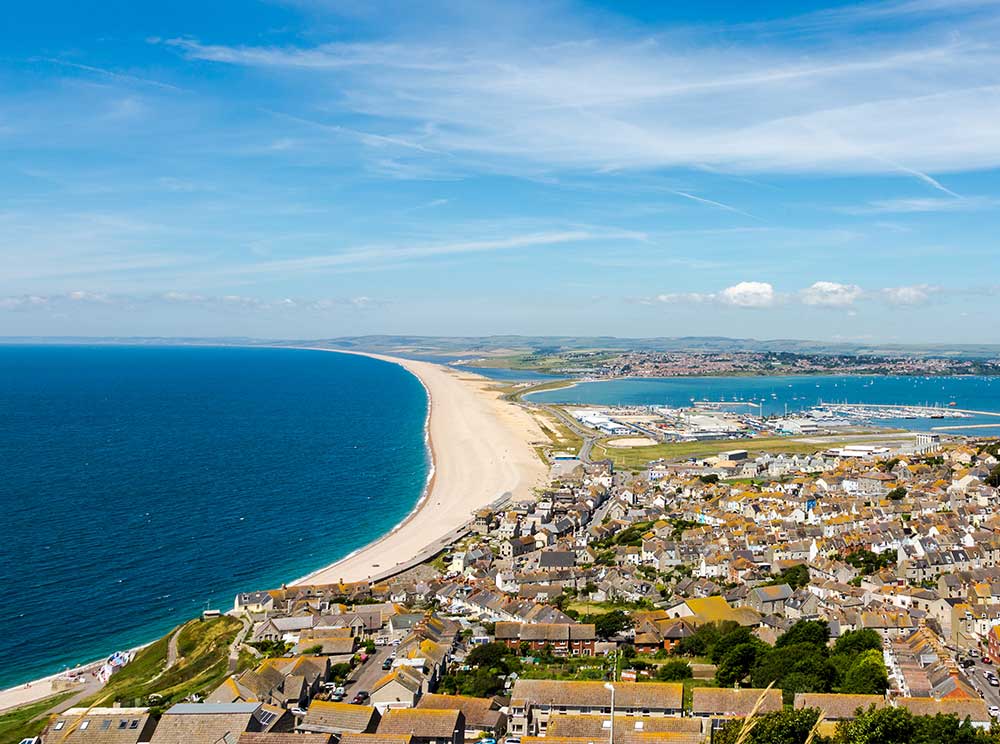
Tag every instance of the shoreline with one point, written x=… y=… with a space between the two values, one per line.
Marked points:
x=41 y=688
x=459 y=482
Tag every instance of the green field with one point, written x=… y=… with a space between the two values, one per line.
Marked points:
x=202 y=666
x=19 y=723
x=635 y=458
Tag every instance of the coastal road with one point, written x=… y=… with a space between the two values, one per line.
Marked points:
x=573 y=425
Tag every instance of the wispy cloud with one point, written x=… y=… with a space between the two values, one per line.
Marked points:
x=588 y=97
x=926 y=204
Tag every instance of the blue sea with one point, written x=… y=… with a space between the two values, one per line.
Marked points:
x=140 y=485
x=794 y=393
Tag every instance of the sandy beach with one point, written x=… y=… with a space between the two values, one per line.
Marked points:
x=481 y=450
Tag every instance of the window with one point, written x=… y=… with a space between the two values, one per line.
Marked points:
x=105 y=724
x=134 y=724
x=122 y=724
x=59 y=725
x=84 y=725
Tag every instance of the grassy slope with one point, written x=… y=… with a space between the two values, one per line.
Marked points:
x=203 y=664
x=19 y=723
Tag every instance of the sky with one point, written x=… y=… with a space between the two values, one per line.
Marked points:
x=319 y=168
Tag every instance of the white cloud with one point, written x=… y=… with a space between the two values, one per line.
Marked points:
x=916 y=294
x=830 y=294
x=749 y=294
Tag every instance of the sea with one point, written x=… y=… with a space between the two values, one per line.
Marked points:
x=142 y=485
x=777 y=394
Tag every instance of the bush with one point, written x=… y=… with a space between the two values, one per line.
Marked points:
x=674 y=671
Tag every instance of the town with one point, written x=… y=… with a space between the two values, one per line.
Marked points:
x=820 y=594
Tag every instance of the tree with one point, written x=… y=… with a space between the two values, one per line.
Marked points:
x=736 y=663
x=854 y=642
x=734 y=636
x=795 y=577
x=779 y=727
x=612 y=623
x=801 y=667
x=877 y=726
x=489 y=655
x=814 y=632
x=993 y=479
x=867 y=675
x=674 y=671
x=897 y=494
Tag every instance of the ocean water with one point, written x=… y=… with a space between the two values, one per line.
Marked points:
x=140 y=485
x=799 y=392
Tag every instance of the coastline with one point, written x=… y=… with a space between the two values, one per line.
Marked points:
x=423 y=526
x=479 y=449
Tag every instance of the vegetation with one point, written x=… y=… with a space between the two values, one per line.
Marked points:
x=203 y=664
x=674 y=671
x=635 y=458
x=800 y=660
x=270 y=649
x=609 y=624
x=897 y=494
x=868 y=562
x=21 y=722
x=796 y=577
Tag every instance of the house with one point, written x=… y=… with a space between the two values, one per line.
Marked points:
x=99 y=725
x=567 y=729
x=714 y=609
x=374 y=739
x=284 y=738
x=719 y=704
x=482 y=715
x=425 y=726
x=256 y=603
x=326 y=717
x=836 y=707
x=563 y=639
x=972 y=708
x=769 y=600
x=400 y=688
x=196 y=722
x=534 y=700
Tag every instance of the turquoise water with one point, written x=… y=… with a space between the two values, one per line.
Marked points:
x=141 y=484
x=797 y=393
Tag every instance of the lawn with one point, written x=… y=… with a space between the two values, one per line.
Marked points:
x=203 y=664
x=20 y=723
x=634 y=458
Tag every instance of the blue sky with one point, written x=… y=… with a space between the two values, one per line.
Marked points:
x=317 y=168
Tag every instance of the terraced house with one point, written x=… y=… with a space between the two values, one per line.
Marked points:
x=562 y=639
x=534 y=701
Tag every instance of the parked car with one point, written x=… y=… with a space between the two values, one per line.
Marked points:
x=994 y=711
x=361 y=698
x=387 y=664
x=987 y=660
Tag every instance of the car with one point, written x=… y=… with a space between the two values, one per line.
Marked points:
x=337 y=698
x=387 y=665
x=487 y=740
x=512 y=740
x=298 y=711
x=987 y=660
x=994 y=711
x=973 y=653
x=360 y=698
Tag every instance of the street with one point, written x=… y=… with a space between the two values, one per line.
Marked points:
x=369 y=673
x=976 y=675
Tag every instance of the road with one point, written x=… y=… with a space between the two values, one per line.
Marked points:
x=976 y=675
x=588 y=437
x=369 y=673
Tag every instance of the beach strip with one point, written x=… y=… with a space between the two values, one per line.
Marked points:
x=481 y=451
